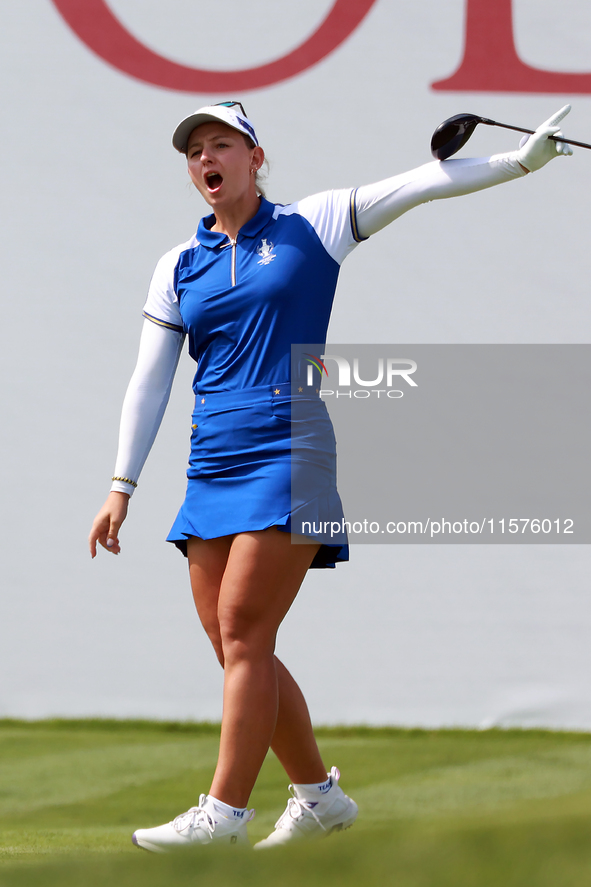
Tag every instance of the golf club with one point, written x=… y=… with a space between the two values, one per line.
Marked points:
x=453 y=133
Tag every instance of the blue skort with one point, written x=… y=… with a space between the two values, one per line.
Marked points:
x=263 y=457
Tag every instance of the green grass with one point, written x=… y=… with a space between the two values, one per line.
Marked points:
x=445 y=807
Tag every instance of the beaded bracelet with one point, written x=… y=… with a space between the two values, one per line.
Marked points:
x=125 y=480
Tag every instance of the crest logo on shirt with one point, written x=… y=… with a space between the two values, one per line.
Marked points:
x=265 y=251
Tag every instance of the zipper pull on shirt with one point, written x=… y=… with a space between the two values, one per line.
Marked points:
x=231 y=243
x=233 y=269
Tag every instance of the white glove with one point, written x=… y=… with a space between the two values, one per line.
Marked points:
x=537 y=150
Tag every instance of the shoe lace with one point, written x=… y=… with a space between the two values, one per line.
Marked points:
x=297 y=809
x=195 y=817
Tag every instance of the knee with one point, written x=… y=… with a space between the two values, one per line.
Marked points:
x=243 y=636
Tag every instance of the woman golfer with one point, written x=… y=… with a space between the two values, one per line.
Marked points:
x=256 y=278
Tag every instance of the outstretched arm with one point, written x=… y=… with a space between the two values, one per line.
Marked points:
x=379 y=204
x=143 y=408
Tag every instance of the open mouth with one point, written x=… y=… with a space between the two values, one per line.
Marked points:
x=213 y=180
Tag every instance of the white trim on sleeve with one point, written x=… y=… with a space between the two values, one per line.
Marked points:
x=162 y=304
x=332 y=215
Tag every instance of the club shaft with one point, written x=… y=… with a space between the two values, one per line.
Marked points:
x=531 y=132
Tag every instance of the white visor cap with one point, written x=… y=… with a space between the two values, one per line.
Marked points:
x=208 y=114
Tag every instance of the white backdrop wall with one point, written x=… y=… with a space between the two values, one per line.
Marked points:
x=93 y=194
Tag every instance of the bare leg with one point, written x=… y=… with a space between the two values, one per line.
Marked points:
x=294 y=742
x=243 y=586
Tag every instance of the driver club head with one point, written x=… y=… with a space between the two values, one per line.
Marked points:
x=452 y=134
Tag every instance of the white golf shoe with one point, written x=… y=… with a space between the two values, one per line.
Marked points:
x=199 y=825
x=313 y=817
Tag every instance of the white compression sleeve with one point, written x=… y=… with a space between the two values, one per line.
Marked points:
x=379 y=204
x=145 y=401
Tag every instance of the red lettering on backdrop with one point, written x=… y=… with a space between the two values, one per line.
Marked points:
x=101 y=31
x=491 y=63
